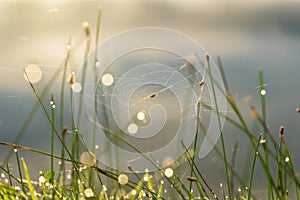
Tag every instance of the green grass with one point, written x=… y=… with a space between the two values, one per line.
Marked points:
x=78 y=179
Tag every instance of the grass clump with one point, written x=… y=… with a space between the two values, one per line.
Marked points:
x=84 y=178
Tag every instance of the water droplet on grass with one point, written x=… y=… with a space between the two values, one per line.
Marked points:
x=88 y=192
x=123 y=179
x=169 y=172
x=133 y=192
x=146 y=177
x=42 y=179
x=287 y=159
x=263 y=92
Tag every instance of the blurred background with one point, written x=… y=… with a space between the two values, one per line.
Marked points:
x=247 y=36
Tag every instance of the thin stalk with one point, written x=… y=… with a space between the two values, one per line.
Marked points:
x=86 y=27
x=292 y=168
x=220 y=127
x=97 y=34
x=19 y=169
x=195 y=143
x=9 y=174
x=62 y=91
x=52 y=138
x=252 y=168
x=201 y=83
x=233 y=157
x=62 y=104
x=264 y=117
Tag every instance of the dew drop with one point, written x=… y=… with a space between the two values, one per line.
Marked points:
x=17 y=188
x=239 y=189
x=42 y=179
x=88 y=192
x=123 y=179
x=263 y=92
x=68 y=46
x=144 y=194
x=146 y=177
x=141 y=115
x=15 y=150
x=76 y=87
x=88 y=158
x=107 y=79
x=6 y=180
x=34 y=73
x=287 y=159
x=2 y=175
x=69 y=176
x=169 y=172
x=132 y=128
x=133 y=192
x=96 y=146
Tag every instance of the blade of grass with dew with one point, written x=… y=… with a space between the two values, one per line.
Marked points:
x=201 y=83
x=52 y=137
x=252 y=168
x=292 y=167
x=30 y=186
x=62 y=106
x=264 y=115
x=95 y=114
x=19 y=169
x=220 y=127
x=86 y=28
x=9 y=174
x=280 y=172
x=233 y=157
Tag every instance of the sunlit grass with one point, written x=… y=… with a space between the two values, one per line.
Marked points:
x=80 y=176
